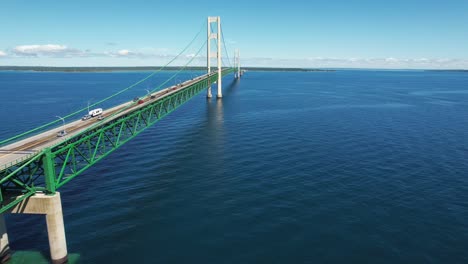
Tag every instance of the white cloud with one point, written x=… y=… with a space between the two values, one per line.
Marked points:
x=422 y=60
x=146 y=55
x=63 y=51
x=382 y=63
x=46 y=50
x=124 y=52
x=193 y=55
x=141 y=54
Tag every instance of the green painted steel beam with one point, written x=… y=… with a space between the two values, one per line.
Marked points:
x=55 y=166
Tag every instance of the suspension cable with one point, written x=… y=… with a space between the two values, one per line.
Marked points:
x=182 y=68
x=227 y=54
x=224 y=43
x=155 y=89
x=107 y=98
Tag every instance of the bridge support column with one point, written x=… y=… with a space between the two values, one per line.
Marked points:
x=238 y=65
x=220 y=88
x=51 y=206
x=218 y=55
x=209 y=55
x=5 y=253
x=56 y=232
x=237 y=74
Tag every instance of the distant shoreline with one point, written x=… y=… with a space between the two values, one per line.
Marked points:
x=144 y=68
x=449 y=70
x=198 y=68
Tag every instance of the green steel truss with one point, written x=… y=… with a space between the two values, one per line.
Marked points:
x=53 y=167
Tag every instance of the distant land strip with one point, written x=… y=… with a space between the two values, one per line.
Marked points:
x=144 y=68
x=456 y=70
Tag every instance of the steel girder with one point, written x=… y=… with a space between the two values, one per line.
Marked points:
x=55 y=166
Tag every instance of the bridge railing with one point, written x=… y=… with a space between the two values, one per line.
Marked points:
x=18 y=160
x=53 y=167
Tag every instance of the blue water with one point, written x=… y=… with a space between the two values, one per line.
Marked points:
x=289 y=167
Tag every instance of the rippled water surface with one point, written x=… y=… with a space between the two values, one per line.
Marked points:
x=289 y=167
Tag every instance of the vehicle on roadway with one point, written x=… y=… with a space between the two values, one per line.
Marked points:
x=61 y=133
x=95 y=112
x=92 y=113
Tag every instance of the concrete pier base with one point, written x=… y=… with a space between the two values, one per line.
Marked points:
x=56 y=232
x=36 y=257
x=5 y=253
x=208 y=93
x=220 y=87
x=51 y=206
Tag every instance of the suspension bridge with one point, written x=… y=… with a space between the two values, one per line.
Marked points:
x=35 y=164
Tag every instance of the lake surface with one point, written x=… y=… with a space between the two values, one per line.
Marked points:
x=289 y=167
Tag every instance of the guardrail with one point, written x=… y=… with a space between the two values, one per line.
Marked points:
x=23 y=158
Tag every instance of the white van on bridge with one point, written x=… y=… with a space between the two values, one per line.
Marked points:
x=92 y=113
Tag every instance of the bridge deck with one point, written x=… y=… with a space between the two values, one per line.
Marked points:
x=23 y=149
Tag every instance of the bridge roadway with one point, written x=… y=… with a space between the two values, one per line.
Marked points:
x=22 y=149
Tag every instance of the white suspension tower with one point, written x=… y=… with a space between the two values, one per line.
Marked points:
x=237 y=60
x=216 y=36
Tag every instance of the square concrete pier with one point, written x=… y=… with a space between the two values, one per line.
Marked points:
x=36 y=257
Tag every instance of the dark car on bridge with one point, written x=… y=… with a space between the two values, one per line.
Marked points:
x=62 y=133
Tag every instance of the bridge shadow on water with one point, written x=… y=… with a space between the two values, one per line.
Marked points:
x=211 y=126
x=196 y=172
x=209 y=132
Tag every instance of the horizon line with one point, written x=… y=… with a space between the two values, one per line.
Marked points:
x=31 y=67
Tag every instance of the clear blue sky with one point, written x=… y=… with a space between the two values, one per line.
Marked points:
x=331 y=33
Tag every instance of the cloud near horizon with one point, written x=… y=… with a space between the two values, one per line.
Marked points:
x=391 y=62
x=384 y=63
x=63 y=51
x=124 y=52
x=46 y=50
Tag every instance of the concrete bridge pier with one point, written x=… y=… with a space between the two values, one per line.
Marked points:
x=51 y=207
x=5 y=253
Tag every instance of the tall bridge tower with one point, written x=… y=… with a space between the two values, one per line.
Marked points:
x=210 y=55
x=237 y=64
